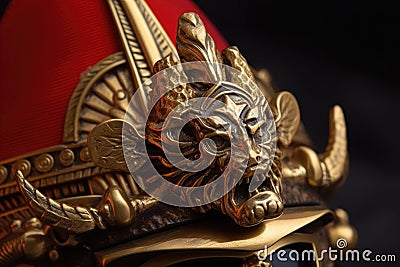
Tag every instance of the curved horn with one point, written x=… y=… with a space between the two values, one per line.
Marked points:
x=331 y=166
x=335 y=157
x=74 y=219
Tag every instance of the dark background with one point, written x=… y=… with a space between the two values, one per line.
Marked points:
x=327 y=53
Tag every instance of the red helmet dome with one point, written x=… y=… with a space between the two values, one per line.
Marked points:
x=45 y=46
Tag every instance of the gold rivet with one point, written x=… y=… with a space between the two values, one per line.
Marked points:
x=53 y=255
x=23 y=165
x=120 y=94
x=84 y=154
x=44 y=162
x=66 y=157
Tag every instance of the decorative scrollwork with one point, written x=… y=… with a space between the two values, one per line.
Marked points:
x=97 y=108
x=23 y=165
x=102 y=94
x=44 y=162
x=193 y=43
x=66 y=157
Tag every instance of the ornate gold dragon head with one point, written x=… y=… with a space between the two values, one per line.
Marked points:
x=258 y=136
x=257 y=194
x=257 y=142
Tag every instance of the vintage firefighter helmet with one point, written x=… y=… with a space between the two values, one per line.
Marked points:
x=74 y=182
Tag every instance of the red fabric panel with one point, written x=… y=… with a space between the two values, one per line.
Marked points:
x=45 y=45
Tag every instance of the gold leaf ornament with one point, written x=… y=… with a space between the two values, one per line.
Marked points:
x=105 y=144
x=287 y=116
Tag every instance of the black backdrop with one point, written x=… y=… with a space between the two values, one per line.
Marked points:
x=335 y=52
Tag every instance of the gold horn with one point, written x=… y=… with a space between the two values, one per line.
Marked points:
x=74 y=219
x=328 y=168
x=335 y=157
x=114 y=209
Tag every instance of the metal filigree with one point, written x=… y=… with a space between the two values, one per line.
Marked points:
x=105 y=142
x=193 y=43
x=103 y=93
